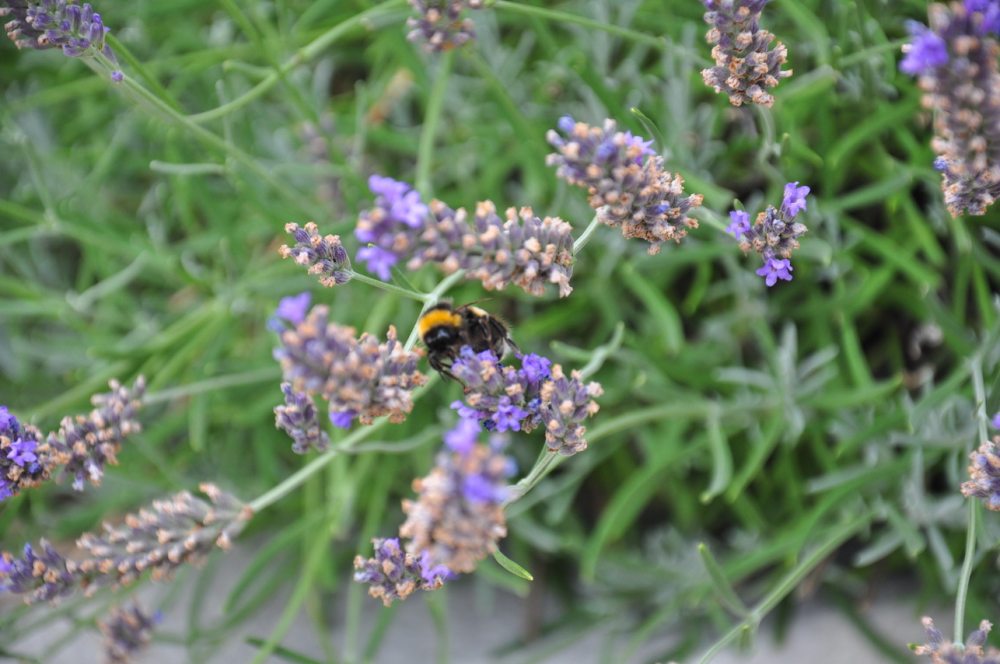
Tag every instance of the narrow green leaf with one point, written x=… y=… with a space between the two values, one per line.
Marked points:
x=511 y=566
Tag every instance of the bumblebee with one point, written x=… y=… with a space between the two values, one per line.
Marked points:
x=445 y=330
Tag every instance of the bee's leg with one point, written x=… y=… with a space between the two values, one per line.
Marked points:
x=442 y=368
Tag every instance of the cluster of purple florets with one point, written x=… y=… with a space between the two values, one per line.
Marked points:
x=774 y=235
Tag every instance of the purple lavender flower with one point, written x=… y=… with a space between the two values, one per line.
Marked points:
x=440 y=24
x=181 y=529
x=76 y=29
x=391 y=227
x=926 y=50
x=394 y=574
x=360 y=376
x=942 y=651
x=745 y=64
x=984 y=473
x=774 y=235
x=537 y=394
x=463 y=437
x=25 y=460
x=990 y=10
x=458 y=516
x=740 y=223
x=39 y=577
x=627 y=184
x=996 y=421
x=343 y=419
x=297 y=417
x=294 y=307
x=127 y=632
x=794 y=200
x=774 y=269
x=84 y=444
x=323 y=254
x=956 y=60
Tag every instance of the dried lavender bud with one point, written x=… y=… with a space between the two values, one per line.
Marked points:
x=358 y=377
x=127 y=632
x=458 y=517
x=298 y=419
x=84 y=444
x=40 y=24
x=956 y=61
x=984 y=471
x=440 y=24
x=626 y=181
x=394 y=574
x=182 y=529
x=25 y=459
x=942 y=651
x=40 y=578
x=566 y=403
x=745 y=64
x=323 y=254
x=523 y=250
x=774 y=234
x=390 y=228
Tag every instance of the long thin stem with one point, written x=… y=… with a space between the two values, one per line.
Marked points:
x=305 y=54
x=787 y=585
x=387 y=286
x=584 y=238
x=979 y=388
x=292 y=482
x=435 y=103
x=212 y=384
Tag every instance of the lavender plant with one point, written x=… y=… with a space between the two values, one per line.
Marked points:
x=955 y=60
x=786 y=436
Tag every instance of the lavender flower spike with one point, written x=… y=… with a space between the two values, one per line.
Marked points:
x=458 y=517
x=774 y=235
x=956 y=61
x=566 y=403
x=76 y=29
x=25 y=458
x=360 y=376
x=942 y=651
x=323 y=254
x=39 y=577
x=182 y=529
x=394 y=574
x=984 y=473
x=523 y=250
x=746 y=66
x=298 y=418
x=440 y=24
x=127 y=631
x=84 y=444
x=627 y=184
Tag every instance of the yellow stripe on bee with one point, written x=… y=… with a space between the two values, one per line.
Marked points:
x=437 y=318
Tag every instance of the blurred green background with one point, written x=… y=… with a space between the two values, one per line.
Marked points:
x=834 y=411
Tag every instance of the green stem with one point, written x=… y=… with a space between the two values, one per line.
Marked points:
x=432 y=117
x=387 y=286
x=292 y=482
x=584 y=238
x=863 y=54
x=305 y=54
x=979 y=388
x=212 y=384
x=144 y=73
x=787 y=585
x=547 y=462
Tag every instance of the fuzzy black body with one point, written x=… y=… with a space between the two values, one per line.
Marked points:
x=445 y=330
